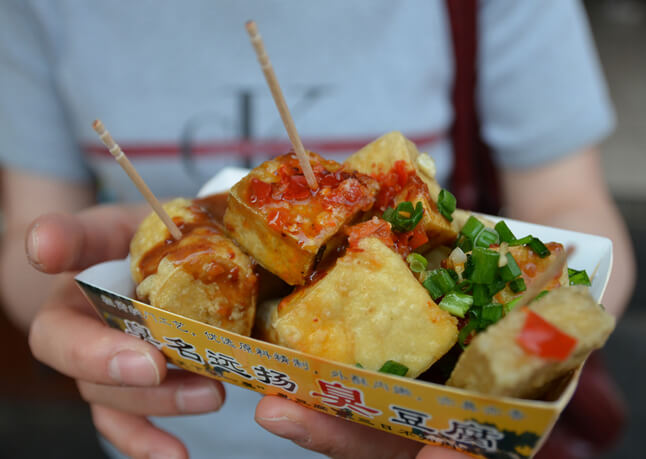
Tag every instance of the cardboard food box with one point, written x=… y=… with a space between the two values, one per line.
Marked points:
x=484 y=426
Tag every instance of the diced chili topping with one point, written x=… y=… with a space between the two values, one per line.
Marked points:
x=541 y=338
x=290 y=206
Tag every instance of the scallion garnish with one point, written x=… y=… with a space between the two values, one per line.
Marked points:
x=511 y=270
x=511 y=305
x=521 y=241
x=541 y=295
x=481 y=294
x=472 y=228
x=491 y=313
x=358 y=365
x=416 y=262
x=465 y=243
x=446 y=204
x=538 y=247
x=485 y=263
x=486 y=238
x=495 y=287
x=518 y=285
x=394 y=368
x=404 y=217
x=504 y=232
x=456 y=303
x=442 y=279
x=578 y=277
x=433 y=289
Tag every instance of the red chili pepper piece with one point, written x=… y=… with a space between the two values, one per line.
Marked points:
x=541 y=338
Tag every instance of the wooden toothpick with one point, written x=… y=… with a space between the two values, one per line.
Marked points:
x=539 y=284
x=127 y=166
x=277 y=94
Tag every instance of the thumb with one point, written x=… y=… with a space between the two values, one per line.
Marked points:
x=57 y=242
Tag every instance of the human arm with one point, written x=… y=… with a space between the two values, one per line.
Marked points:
x=572 y=194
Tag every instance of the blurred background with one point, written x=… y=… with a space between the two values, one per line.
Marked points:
x=39 y=407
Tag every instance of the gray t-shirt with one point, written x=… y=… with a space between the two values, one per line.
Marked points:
x=179 y=87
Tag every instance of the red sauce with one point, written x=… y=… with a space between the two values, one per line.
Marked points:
x=291 y=207
x=402 y=243
x=400 y=182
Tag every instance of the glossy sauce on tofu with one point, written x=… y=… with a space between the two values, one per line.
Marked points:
x=204 y=252
x=401 y=177
x=289 y=206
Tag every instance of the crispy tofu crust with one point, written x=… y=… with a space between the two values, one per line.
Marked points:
x=204 y=276
x=286 y=227
x=393 y=151
x=495 y=364
x=367 y=309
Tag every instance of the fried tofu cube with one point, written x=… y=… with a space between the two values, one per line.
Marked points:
x=405 y=175
x=287 y=227
x=496 y=364
x=367 y=309
x=203 y=276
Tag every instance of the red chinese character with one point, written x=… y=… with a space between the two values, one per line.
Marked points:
x=336 y=394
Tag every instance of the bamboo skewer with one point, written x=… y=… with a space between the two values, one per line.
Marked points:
x=127 y=166
x=277 y=93
x=538 y=285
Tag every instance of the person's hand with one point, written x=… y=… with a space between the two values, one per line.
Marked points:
x=591 y=423
x=340 y=438
x=123 y=378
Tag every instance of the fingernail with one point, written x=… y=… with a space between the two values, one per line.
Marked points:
x=198 y=396
x=133 y=368
x=286 y=428
x=32 y=247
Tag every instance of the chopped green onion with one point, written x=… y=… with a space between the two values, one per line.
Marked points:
x=578 y=277
x=541 y=295
x=504 y=232
x=511 y=305
x=481 y=295
x=433 y=289
x=518 y=285
x=464 y=286
x=442 y=279
x=465 y=244
x=495 y=287
x=472 y=228
x=510 y=270
x=453 y=274
x=417 y=262
x=468 y=267
x=446 y=204
x=405 y=217
x=466 y=331
x=394 y=368
x=486 y=238
x=521 y=241
x=358 y=365
x=491 y=313
x=485 y=265
x=538 y=247
x=456 y=303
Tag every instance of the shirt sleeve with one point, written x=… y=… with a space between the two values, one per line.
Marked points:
x=541 y=92
x=34 y=132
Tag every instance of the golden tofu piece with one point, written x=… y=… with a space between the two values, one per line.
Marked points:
x=287 y=227
x=203 y=276
x=367 y=309
x=495 y=364
x=404 y=175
